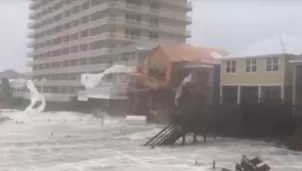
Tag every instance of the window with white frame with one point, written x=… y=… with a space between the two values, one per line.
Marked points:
x=251 y=65
x=272 y=64
x=231 y=66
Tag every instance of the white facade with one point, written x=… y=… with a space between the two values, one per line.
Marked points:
x=71 y=37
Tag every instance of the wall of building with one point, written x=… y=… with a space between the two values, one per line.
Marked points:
x=260 y=77
x=70 y=38
x=159 y=58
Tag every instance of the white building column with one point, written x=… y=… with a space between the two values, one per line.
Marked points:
x=282 y=93
x=221 y=94
x=259 y=93
x=294 y=85
x=238 y=94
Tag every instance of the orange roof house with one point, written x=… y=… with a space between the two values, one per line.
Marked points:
x=165 y=61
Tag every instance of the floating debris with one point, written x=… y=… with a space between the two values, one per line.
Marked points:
x=250 y=165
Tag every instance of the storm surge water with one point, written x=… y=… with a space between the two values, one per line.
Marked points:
x=64 y=141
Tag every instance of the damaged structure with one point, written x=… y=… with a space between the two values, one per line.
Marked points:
x=165 y=69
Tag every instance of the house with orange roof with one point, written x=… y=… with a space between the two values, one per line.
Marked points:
x=168 y=64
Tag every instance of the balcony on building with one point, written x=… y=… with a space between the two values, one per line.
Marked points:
x=29 y=63
x=31 y=34
x=189 y=6
x=33 y=5
x=31 y=25
x=30 y=44
x=30 y=54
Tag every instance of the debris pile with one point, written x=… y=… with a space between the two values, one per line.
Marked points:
x=246 y=164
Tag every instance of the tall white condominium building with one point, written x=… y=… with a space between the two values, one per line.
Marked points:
x=71 y=37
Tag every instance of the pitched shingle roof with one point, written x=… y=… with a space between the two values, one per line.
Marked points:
x=189 y=53
x=275 y=45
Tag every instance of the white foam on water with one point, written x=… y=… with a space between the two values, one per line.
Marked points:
x=35 y=97
x=92 y=80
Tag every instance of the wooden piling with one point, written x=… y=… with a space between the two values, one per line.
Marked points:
x=194 y=138
x=184 y=139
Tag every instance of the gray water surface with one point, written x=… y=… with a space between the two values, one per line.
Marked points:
x=66 y=141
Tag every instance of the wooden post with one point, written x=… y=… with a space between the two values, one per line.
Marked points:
x=294 y=89
x=204 y=138
x=194 y=138
x=184 y=139
x=259 y=94
x=221 y=94
x=238 y=94
x=214 y=164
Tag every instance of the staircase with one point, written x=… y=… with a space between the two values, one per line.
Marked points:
x=167 y=136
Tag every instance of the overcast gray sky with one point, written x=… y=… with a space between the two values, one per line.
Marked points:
x=228 y=24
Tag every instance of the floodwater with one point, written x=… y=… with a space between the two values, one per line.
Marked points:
x=67 y=141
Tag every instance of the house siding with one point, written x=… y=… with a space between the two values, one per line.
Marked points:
x=260 y=77
x=158 y=57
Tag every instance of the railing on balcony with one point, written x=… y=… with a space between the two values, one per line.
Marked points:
x=148 y=11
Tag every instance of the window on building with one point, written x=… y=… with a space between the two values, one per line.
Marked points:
x=75 y=9
x=132 y=33
x=66 y=38
x=83 y=61
x=83 y=47
x=133 y=3
x=96 y=60
x=153 y=35
x=64 y=76
x=74 y=23
x=66 y=26
x=84 y=33
x=154 y=6
x=65 y=64
x=63 y=89
x=125 y=57
x=95 y=45
x=74 y=36
x=97 y=15
x=72 y=90
x=272 y=64
x=154 y=22
x=85 y=5
x=251 y=65
x=132 y=19
x=67 y=13
x=157 y=71
x=230 y=66
x=95 y=31
x=65 y=51
x=95 y=2
x=84 y=19
x=74 y=49
x=72 y=76
x=68 y=1
x=74 y=62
